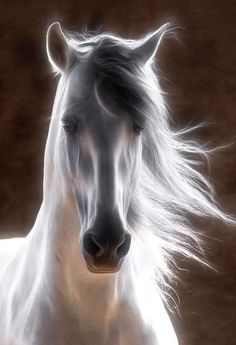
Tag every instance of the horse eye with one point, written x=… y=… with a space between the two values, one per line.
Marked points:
x=137 y=129
x=69 y=126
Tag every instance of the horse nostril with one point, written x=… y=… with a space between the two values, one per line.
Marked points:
x=94 y=249
x=124 y=246
x=92 y=246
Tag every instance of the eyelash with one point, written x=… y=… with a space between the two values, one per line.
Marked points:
x=69 y=126
x=137 y=129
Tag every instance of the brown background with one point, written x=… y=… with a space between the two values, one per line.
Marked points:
x=198 y=72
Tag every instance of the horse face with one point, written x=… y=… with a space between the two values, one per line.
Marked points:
x=102 y=147
x=102 y=150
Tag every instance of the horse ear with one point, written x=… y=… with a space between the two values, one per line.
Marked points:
x=58 y=50
x=148 y=48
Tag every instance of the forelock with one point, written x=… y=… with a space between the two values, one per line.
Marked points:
x=119 y=72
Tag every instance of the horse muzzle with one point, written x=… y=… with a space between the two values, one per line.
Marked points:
x=105 y=256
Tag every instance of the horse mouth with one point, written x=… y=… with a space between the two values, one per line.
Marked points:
x=103 y=269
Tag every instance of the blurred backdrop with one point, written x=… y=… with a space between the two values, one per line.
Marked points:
x=197 y=71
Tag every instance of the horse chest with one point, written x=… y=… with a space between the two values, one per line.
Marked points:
x=109 y=335
x=120 y=330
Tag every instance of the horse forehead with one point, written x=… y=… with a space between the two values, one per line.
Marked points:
x=81 y=92
x=80 y=82
x=83 y=98
x=104 y=127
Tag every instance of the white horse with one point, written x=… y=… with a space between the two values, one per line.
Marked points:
x=118 y=184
